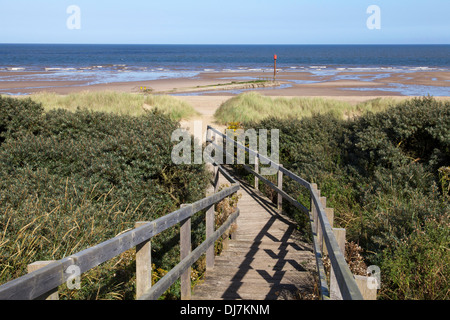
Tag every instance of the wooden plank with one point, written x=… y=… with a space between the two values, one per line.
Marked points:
x=265 y=258
x=163 y=284
x=36 y=283
x=320 y=224
x=281 y=192
x=143 y=264
x=335 y=292
x=216 y=178
x=226 y=175
x=185 y=250
x=275 y=165
x=51 y=295
x=369 y=293
x=215 y=198
x=210 y=219
x=314 y=215
x=319 y=231
x=280 y=186
x=347 y=283
x=257 y=171
x=330 y=216
x=33 y=285
x=265 y=160
x=323 y=283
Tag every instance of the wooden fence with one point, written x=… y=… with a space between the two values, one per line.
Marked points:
x=329 y=241
x=44 y=277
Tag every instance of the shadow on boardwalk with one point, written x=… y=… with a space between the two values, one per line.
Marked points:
x=266 y=260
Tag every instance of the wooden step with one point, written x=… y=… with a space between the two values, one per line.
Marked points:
x=244 y=291
x=266 y=261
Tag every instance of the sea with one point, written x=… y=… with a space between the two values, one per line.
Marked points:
x=100 y=63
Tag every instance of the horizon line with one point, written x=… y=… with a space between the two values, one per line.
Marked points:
x=238 y=44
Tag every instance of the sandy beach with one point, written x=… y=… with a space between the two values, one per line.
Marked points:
x=200 y=91
x=292 y=83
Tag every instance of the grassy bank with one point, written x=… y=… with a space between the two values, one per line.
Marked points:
x=256 y=107
x=117 y=102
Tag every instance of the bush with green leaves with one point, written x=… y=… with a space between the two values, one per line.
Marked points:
x=385 y=175
x=19 y=115
x=70 y=180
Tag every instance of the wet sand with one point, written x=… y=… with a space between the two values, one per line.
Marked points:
x=292 y=83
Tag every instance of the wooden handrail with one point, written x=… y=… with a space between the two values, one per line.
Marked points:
x=45 y=279
x=266 y=160
x=164 y=283
x=37 y=283
x=345 y=280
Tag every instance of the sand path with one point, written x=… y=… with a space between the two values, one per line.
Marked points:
x=206 y=106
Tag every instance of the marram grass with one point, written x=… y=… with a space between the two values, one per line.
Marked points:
x=256 y=107
x=117 y=102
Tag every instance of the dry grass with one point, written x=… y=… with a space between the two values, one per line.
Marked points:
x=255 y=107
x=117 y=102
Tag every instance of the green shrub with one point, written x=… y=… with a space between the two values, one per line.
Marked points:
x=418 y=266
x=19 y=115
x=416 y=130
x=311 y=148
x=83 y=177
x=386 y=176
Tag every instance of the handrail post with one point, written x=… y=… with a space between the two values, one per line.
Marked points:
x=216 y=179
x=330 y=216
x=368 y=292
x=257 y=171
x=335 y=292
x=209 y=231
x=319 y=230
x=143 y=265
x=185 y=250
x=210 y=221
x=280 y=186
x=52 y=294
x=314 y=213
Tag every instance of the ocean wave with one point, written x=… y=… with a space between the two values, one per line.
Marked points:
x=59 y=69
x=422 y=68
x=15 y=68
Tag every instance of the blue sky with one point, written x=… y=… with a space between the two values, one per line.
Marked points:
x=225 y=22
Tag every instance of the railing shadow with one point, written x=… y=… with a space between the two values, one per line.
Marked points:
x=276 y=280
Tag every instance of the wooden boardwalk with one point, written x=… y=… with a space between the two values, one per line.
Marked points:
x=265 y=261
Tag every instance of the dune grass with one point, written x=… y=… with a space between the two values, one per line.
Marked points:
x=177 y=109
x=256 y=107
x=117 y=102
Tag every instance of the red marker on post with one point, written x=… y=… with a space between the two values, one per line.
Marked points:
x=274 y=67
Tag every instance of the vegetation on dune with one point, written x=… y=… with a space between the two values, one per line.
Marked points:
x=387 y=175
x=70 y=180
x=177 y=109
x=256 y=107
x=117 y=102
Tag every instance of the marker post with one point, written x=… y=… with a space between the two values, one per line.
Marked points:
x=274 y=67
